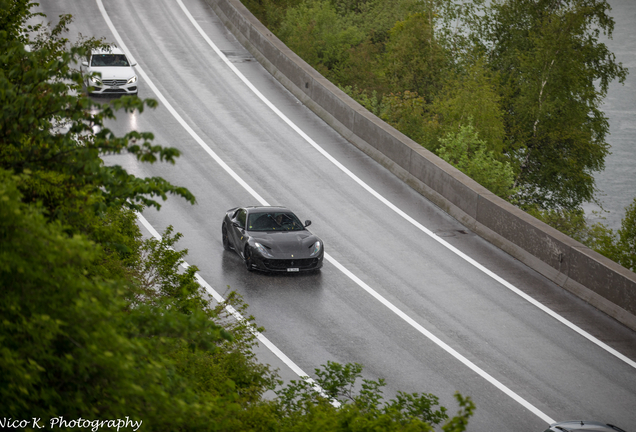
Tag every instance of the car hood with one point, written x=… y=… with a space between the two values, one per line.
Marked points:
x=110 y=72
x=282 y=244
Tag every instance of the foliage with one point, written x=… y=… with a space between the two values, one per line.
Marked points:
x=472 y=94
x=420 y=73
x=627 y=239
x=555 y=73
x=271 y=12
x=13 y=18
x=409 y=113
x=619 y=246
x=67 y=346
x=362 y=68
x=470 y=155
x=370 y=100
x=570 y=222
x=324 y=37
x=344 y=405
x=157 y=281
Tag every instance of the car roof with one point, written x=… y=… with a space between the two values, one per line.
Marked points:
x=264 y=209
x=111 y=50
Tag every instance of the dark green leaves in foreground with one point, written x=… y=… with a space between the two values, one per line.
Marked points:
x=354 y=406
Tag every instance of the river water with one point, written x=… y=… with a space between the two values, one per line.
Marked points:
x=617 y=183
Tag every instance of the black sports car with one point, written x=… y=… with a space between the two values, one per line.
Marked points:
x=271 y=239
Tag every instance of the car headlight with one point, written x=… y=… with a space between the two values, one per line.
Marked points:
x=96 y=80
x=132 y=80
x=263 y=250
x=316 y=248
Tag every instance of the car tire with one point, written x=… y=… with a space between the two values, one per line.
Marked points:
x=226 y=238
x=247 y=258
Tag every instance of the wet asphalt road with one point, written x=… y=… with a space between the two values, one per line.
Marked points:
x=314 y=318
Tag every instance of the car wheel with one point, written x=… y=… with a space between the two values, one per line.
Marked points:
x=248 y=258
x=226 y=239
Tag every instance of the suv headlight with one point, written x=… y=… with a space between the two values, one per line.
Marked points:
x=132 y=80
x=96 y=80
x=316 y=248
x=263 y=250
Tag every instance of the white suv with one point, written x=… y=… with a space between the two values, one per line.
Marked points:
x=108 y=72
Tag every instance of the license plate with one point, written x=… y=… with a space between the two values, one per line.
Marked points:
x=292 y=269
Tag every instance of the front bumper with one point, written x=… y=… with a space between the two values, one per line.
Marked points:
x=286 y=265
x=113 y=88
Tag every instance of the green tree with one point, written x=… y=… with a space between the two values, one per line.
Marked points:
x=410 y=113
x=470 y=155
x=472 y=94
x=414 y=59
x=570 y=222
x=68 y=348
x=619 y=246
x=323 y=37
x=271 y=12
x=555 y=73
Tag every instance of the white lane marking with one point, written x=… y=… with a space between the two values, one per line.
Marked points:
x=397 y=210
x=262 y=339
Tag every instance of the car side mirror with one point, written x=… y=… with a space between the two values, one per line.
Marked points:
x=85 y=63
x=133 y=65
x=307 y=223
x=238 y=225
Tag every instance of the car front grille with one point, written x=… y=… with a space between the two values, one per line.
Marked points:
x=114 y=82
x=278 y=264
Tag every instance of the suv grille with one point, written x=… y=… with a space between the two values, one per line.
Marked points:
x=113 y=82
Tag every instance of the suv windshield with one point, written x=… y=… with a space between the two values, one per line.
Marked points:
x=274 y=221
x=109 y=60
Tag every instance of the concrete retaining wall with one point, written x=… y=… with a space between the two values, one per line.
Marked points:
x=596 y=279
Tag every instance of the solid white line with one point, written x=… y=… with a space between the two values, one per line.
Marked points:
x=397 y=210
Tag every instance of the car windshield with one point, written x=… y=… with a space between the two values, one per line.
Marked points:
x=109 y=60
x=274 y=221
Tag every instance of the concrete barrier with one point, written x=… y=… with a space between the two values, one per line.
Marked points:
x=596 y=279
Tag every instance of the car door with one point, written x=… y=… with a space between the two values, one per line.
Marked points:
x=237 y=230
